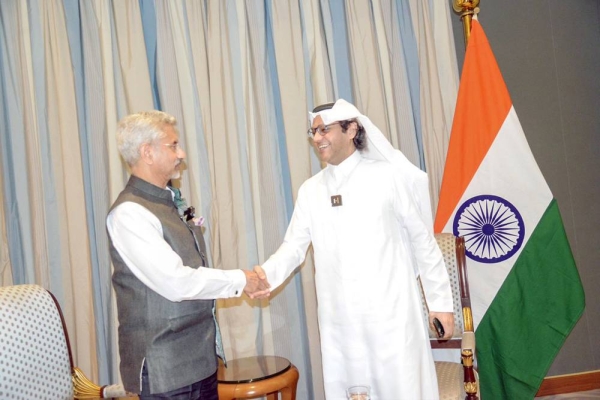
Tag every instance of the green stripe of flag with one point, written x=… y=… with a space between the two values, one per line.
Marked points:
x=528 y=321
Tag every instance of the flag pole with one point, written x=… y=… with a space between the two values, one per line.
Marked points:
x=466 y=9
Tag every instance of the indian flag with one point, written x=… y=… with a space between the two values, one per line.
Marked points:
x=526 y=293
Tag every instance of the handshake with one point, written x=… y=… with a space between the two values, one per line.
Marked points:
x=257 y=286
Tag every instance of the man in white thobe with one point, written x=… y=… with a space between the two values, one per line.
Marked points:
x=369 y=224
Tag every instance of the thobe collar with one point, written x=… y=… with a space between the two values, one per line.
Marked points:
x=339 y=173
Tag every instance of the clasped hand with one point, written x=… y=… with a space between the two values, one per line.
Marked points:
x=447 y=321
x=257 y=286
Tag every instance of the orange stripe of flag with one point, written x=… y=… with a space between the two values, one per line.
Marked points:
x=481 y=108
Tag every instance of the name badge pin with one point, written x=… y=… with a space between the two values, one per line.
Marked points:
x=336 y=200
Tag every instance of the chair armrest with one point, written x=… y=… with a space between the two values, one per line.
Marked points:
x=111 y=391
x=86 y=389
x=468 y=341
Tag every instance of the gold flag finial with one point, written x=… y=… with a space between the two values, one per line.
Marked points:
x=466 y=9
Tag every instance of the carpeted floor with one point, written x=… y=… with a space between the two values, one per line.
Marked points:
x=591 y=394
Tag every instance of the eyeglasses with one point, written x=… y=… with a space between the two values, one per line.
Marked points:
x=322 y=129
x=173 y=146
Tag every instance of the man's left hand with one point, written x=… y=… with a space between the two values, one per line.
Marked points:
x=447 y=320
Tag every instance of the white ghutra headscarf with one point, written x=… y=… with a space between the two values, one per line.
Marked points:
x=378 y=148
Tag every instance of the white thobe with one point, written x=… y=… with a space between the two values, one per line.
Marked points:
x=370 y=315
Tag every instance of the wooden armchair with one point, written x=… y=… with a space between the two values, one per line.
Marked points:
x=456 y=380
x=35 y=353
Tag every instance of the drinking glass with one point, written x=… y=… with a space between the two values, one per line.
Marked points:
x=359 y=392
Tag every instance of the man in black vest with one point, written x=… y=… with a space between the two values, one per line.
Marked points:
x=169 y=339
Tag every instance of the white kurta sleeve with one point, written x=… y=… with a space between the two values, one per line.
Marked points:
x=137 y=236
x=292 y=251
x=427 y=254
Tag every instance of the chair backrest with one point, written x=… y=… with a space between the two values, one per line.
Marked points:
x=453 y=250
x=35 y=361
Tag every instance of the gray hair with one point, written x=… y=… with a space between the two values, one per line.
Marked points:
x=138 y=129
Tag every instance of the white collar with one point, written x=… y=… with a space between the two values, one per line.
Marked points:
x=344 y=168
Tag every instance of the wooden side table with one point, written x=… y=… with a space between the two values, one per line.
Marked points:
x=250 y=377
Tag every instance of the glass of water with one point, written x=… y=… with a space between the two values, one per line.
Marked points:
x=359 y=392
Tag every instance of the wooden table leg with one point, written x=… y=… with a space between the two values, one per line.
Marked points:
x=289 y=392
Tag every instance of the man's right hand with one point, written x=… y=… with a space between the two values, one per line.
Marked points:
x=257 y=286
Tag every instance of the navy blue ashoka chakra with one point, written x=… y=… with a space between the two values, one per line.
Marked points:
x=492 y=227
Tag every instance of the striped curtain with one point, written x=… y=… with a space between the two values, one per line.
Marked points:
x=240 y=77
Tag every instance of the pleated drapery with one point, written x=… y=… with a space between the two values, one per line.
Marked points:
x=240 y=77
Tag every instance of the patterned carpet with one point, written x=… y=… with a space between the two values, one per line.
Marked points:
x=591 y=394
